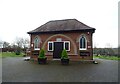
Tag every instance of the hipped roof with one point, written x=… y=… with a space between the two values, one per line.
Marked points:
x=62 y=26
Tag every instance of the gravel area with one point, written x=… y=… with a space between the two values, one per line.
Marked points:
x=15 y=69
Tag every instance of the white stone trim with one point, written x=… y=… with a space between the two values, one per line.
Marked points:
x=36 y=48
x=39 y=41
x=68 y=43
x=70 y=39
x=85 y=43
x=52 y=45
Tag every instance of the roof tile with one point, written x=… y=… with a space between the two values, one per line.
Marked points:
x=61 y=25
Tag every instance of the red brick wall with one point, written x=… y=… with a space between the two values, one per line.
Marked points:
x=74 y=43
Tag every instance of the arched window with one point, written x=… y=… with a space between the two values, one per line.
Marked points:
x=36 y=43
x=83 y=43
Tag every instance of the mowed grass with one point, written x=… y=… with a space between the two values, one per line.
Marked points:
x=108 y=57
x=0 y=54
x=10 y=54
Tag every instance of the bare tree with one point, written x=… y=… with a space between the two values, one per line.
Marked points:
x=25 y=42
x=22 y=42
x=6 y=44
x=13 y=45
x=1 y=44
x=18 y=42
x=108 y=45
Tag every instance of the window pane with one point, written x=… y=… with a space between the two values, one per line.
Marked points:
x=82 y=42
x=36 y=43
x=50 y=46
x=67 y=46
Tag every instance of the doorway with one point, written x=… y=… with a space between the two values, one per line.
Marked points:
x=58 y=47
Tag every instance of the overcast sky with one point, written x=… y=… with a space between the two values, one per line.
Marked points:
x=17 y=17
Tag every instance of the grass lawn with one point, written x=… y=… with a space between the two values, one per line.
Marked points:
x=0 y=54
x=108 y=57
x=10 y=54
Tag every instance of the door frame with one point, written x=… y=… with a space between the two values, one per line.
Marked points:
x=63 y=45
x=54 y=47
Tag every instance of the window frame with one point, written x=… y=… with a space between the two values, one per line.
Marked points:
x=52 y=45
x=38 y=44
x=82 y=44
x=68 y=45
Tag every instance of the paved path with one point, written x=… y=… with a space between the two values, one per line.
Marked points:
x=15 y=69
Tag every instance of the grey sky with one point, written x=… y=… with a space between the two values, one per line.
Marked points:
x=17 y=17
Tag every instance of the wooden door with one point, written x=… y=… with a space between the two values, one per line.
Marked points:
x=58 y=47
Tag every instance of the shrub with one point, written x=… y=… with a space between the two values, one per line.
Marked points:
x=42 y=54
x=64 y=54
x=17 y=52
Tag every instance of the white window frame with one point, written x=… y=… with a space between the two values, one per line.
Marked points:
x=38 y=43
x=52 y=45
x=68 y=46
x=85 y=43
